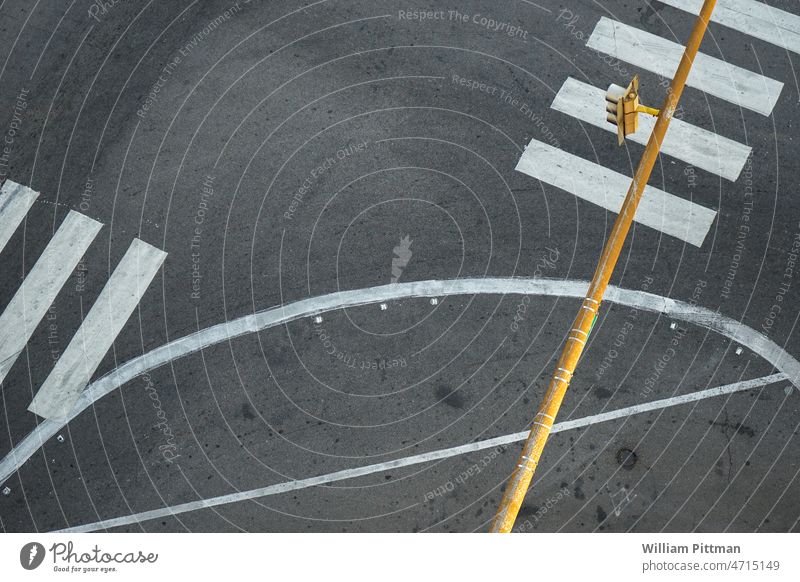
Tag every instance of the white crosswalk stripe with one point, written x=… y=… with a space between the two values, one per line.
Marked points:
x=41 y=286
x=753 y=18
x=15 y=201
x=660 y=210
x=684 y=141
x=710 y=75
x=97 y=333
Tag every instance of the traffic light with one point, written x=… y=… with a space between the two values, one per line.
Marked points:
x=623 y=108
x=615 y=112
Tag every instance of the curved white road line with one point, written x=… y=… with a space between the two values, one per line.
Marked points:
x=261 y=320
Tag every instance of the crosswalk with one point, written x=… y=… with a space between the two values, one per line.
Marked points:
x=694 y=145
x=39 y=289
x=15 y=201
x=754 y=18
x=706 y=150
x=94 y=337
x=709 y=74
x=671 y=215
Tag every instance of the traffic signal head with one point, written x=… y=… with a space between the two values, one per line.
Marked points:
x=615 y=111
x=621 y=108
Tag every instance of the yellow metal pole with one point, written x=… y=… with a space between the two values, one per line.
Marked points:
x=579 y=334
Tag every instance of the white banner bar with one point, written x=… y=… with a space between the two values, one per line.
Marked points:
x=120 y=557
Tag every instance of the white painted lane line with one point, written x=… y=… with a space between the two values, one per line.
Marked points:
x=281 y=315
x=421 y=458
x=709 y=74
x=105 y=320
x=753 y=18
x=684 y=141
x=667 y=402
x=41 y=286
x=15 y=201
x=606 y=188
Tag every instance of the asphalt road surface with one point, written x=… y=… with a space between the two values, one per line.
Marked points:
x=316 y=261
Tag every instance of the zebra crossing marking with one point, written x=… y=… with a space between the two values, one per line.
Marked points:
x=99 y=329
x=15 y=201
x=684 y=141
x=753 y=18
x=606 y=188
x=40 y=288
x=661 y=56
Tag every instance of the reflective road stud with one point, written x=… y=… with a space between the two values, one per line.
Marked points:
x=543 y=421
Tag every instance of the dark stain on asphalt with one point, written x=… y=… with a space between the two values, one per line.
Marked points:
x=526 y=512
x=626 y=458
x=602 y=393
x=648 y=13
x=579 y=494
x=601 y=514
x=248 y=412
x=453 y=399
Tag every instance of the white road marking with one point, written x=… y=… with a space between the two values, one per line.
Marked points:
x=15 y=201
x=227 y=331
x=421 y=458
x=753 y=18
x=709 y=74
x=94 y=337
x=606 y=188
x=684 y=141
x=667 y=402
x=41 y=286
